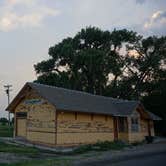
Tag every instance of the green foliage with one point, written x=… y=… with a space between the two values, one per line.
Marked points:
x=4 y=147
x=46 y=162
x=6 y=131
x=155 y=102
x=87 y=59
x=100 y=146
x=95 y=61
x=3 y=121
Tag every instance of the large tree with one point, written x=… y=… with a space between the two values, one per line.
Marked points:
x=144 y=68
x=120 y=64
x=86 y=61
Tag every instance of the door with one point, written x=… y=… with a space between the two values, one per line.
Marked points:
x=21 y=127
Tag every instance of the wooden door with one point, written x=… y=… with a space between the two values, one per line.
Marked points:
x=21 y=127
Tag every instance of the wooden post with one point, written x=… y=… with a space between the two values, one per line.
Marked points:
x=15 y=126
x=56 y=126
x=149 y=128
x=115 y=129
x=127 y=125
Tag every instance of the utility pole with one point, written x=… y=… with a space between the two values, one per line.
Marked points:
x=7 y=90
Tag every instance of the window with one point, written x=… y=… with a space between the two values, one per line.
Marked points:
x=21 y=114
x=134 y=124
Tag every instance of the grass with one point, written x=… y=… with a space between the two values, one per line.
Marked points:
x=101 y=146
x=59 y=160
x=4 y=147
x=6 y=131
x=47 y=162
x=138 y=143
x=33 y=153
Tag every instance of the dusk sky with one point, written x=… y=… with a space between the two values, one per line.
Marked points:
x=29 y=27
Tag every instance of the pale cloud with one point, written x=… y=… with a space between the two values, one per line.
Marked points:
x=24 y=2
x=33 y=14
x=157 y=20
x=140 y=1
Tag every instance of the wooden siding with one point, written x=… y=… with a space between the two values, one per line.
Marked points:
x=21 y=130
x=143 y=130
x=47 y=126
x=40 y=122
x=152 y=127
x=82 y=128
x=124 y=136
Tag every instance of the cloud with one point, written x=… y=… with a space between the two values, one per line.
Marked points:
x=157 y=20
x=25 y=2
x=140 y=1
x=24 y=13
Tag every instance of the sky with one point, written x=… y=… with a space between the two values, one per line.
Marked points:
x=29 y=27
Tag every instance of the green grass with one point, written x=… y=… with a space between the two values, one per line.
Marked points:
x=6 y=131
x=59 y=160
x=47 y=162
x=101 y=146
x=4 y=147
x=138 y=143
x=33 y=153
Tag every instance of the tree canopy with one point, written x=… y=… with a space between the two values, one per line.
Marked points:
x=120 y=64
x=86 y=61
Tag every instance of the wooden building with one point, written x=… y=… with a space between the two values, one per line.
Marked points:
x=57 y=117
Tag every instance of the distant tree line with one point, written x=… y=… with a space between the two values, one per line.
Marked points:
x=4 y=121
x=121 y=64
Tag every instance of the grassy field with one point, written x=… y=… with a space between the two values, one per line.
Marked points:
x=37 y=157
x=6 y=131
x=47 y=162
x=101 y=146
x=9 y=148
x=33 y=154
